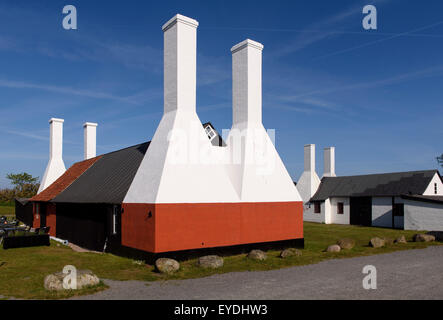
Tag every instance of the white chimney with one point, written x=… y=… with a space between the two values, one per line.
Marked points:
x=56 y=166
x=180 y=63
x=309 y=156
x=309 y=181
x=247 y=82
x=90 y=140
x=329 y=158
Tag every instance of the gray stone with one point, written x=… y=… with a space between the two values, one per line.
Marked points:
x=85 y=278
x=421 y=237
x=333 y=248
x=401 y=239
x=377 y=242
x=437 y=234
x=257 y=255
x=346 y=243
x=290 y=252
x=166 y=265
x=212 y=262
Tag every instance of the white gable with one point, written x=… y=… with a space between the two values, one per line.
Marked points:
x=435 y=183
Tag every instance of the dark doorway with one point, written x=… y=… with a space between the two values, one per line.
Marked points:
x=83 y=224
x=361 y=211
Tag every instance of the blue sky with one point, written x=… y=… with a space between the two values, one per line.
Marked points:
x=375 y=95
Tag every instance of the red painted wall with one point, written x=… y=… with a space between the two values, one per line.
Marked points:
x=51 y=218
x=174 y=227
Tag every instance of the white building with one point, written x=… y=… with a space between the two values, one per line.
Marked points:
x=404 y=200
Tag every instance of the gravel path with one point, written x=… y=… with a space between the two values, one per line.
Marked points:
x=411 y=274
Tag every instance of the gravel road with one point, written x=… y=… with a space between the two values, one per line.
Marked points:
x=411 y=274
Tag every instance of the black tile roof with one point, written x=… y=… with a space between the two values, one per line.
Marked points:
x=385 y=184
x=436 y=199
x=107 y=180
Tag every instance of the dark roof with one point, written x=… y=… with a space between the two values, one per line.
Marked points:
x=385 y=184
x=435 y=199
x=59 y=185
x=108 y=179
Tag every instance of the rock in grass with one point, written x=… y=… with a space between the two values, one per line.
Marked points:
x=212 y=262
x=401 y=240
x=290 y=252
x=257 y=255
x=388 y=241
x=346 y=243
x=166 y=265
x=333 y=248
x=421 y=237
x=377 y=242
x=437 y=234
x=85 y=278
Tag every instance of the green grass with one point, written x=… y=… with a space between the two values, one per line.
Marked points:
x=23 y=270
x=8 y=211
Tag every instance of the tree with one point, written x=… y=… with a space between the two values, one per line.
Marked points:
x=25 y=185
x=440 y=160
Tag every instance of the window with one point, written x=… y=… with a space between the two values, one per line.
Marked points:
x=317 y=208
x=399 y=210
x=340 y=206
x=211 y=134
x=37 y=210
x=435 y=188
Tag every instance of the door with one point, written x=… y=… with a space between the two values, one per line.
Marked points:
x=361 y=211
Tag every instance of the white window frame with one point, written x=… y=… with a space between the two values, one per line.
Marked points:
x=210 y=133
x=114 y=220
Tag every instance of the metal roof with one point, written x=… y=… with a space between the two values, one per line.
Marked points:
x=107 y=180
x=385 y=184
x=436 y=199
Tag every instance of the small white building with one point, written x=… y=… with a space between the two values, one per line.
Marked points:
x=403 y=200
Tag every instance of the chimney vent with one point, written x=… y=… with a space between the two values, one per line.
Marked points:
x=329 y=158
x=247 y=82
x=56 y=166
x=90 y=140
x=180 y=64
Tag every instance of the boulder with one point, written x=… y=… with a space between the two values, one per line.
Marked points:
x=437 y=234
x=377 y=242
x=401 y=239
x=346 y=243
x=212 y=262
x=290 y=252
x=333 y=248
x=85 y=278
x=257 y=255
x=166 y=265
x=388 y=241
x=421 y=237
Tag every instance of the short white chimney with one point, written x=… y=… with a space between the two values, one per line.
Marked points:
x=309 y=181
x=90 y=140
x=329 y=158
x=56 y=166
x=247 y=82
x=180 y=64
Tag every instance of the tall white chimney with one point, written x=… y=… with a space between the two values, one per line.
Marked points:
x=180 y=64
x=90 y=140
x=247 y=82
x=329 y=158
x=309 y=181
x=56 y=166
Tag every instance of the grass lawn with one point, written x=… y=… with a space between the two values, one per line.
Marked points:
x=8 y=211
x=22 y=270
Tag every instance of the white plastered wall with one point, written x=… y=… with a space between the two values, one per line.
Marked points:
x=420 y=215
x=430 y=190
x=339 y=218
